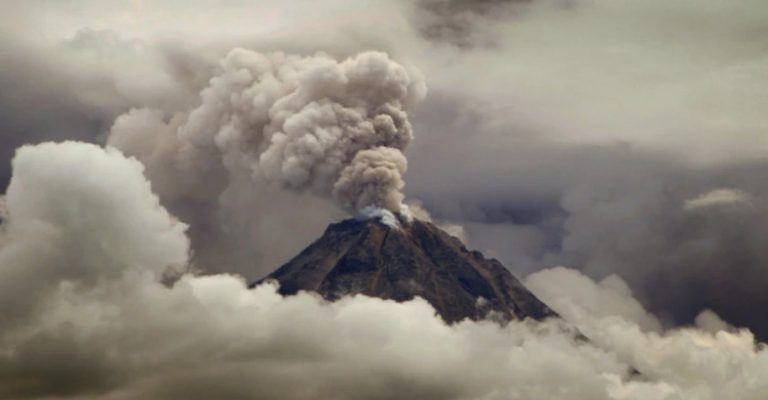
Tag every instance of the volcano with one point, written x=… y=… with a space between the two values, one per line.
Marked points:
x=400 y=260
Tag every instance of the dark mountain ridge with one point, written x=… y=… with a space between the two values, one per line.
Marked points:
x=400 y=261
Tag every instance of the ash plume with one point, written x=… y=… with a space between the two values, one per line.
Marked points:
x=309 y=123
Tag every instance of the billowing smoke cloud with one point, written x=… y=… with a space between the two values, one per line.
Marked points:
x=89 y=239
x=273 y=140
x=309 y=123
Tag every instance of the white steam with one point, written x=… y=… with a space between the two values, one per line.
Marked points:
x=332 y=128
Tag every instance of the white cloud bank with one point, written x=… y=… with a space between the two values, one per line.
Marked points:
x=718 y=198
x=84 y=315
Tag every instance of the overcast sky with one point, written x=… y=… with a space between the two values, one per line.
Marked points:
x=623 y=140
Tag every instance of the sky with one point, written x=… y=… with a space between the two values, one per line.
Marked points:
x=608 y=152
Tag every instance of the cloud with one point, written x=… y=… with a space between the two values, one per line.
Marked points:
x=106 y=328
x=571 y=293
x=591 y=125
x=718 y=198
x=74 y=88
x=59 y=197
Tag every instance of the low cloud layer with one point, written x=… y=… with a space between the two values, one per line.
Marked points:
x=104 y=327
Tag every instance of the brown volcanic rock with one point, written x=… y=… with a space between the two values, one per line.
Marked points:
x=416 y=259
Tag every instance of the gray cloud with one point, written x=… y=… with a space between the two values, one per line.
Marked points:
x=74 y=88
x=685 y=236
x=461 y=22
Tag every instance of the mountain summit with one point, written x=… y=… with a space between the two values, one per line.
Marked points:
x=401 y=260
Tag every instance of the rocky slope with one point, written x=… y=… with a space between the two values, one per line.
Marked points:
x=401 y=261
